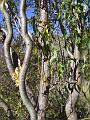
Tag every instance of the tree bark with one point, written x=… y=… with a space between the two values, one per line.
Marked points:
x=24 y=68
x=73 y=96
x=45 y=76
x=7 y=42
x=43 y=91
x=70 y=106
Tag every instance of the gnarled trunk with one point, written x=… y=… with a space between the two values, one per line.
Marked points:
x=74 y=83
x=70 y=106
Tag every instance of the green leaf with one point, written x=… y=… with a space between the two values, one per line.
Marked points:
x=12 y=3
x=54 y=5
x=58 y=15
x=87 y=1
x=85 y=7
x=60 y=68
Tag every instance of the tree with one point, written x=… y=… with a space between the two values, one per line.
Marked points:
x=28 y=42
x=71 y=17
x=54 y=54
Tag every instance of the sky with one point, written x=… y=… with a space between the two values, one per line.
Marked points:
x=29 y=13
x=0 y=16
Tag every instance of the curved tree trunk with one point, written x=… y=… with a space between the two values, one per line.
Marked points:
x=76 y=80
x=70 y=106
x=24 y=68
x=8 y=39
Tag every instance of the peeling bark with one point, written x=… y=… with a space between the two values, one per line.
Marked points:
x=45 y=76
x=74 y=94
x=43 y=91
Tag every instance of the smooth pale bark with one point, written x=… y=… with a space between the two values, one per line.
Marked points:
x=8 y=50
x=45 y=76
x=25 y=64
x=7 y=42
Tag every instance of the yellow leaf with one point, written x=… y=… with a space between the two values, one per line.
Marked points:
x=16 y=76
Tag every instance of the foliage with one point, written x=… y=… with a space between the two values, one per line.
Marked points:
x=66 y=27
